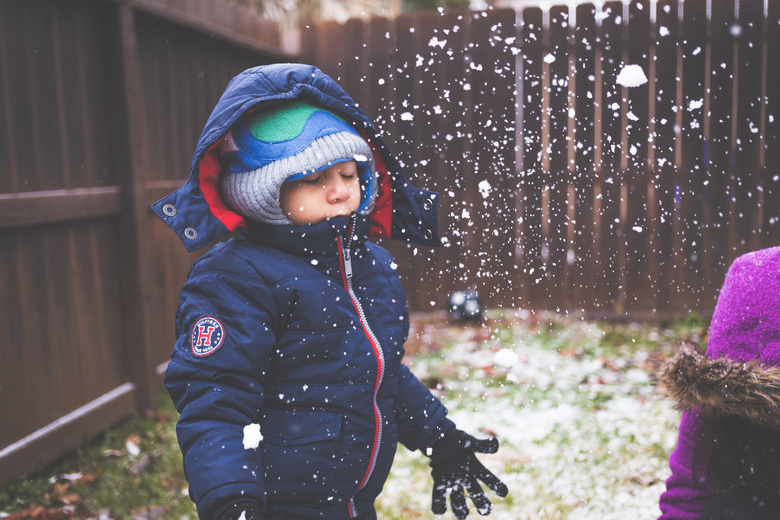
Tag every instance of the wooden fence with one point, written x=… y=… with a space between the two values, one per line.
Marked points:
x=567 y=189
x=561 y=188
x=101 y=104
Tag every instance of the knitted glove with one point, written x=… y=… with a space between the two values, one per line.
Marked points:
x=455 y=469
x=239 y=510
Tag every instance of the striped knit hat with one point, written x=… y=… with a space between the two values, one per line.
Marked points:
x=283 y=143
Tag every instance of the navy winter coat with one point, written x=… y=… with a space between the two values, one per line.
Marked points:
x=297 y=329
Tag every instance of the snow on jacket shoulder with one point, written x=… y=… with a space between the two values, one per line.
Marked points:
x=272 y=332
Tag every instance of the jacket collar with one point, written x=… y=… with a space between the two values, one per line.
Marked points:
x=722 y=386
x=317 y=241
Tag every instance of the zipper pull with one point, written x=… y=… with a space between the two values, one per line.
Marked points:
x=347 y=263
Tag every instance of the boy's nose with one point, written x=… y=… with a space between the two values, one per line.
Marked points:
x=338 y=190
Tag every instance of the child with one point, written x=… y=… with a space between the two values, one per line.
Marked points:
x=287 y=368
x=727 y=460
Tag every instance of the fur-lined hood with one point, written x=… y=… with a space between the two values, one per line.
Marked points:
x=722 y=386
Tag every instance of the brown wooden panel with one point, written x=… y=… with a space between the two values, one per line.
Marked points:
x=64 y=276
x=529 y=261
x=663 y=153
x=44 y=207
x=610 y=271
x=690 y=280
x=492 y=186
x=747 y=152
x=719 y=236
x=771 y=174
x=583 y=48
x=450 y=162
x=66 y=433
x=556 y=230
x=636 y=227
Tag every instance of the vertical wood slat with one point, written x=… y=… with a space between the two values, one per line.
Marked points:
x=130 y=148
x=583 y=48
x=718 y=238
x=557 y=185
x=663 y=166
x=610 y=294
x=771 y=171
x=747 y=154
x=530 y=267
x=636 y=232
x=690 y=185
x=493 y=96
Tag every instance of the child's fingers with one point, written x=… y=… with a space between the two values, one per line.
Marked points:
x=458 y=502
x=439 y=499
x=492 y=481
x=485 y=445
x=481 y=501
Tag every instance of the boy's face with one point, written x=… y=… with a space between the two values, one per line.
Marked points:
x=328 y=193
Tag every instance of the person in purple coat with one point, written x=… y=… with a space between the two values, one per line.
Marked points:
x=726 y=464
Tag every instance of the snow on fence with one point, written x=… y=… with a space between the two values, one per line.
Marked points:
x=564 y=185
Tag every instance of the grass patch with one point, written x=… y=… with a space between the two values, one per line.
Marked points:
x=583 y=434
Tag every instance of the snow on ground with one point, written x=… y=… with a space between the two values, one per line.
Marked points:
x=583 y=434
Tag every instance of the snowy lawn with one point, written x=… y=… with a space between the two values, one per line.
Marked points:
x=582 y=433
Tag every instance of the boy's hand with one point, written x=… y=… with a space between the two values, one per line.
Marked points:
x=455 y=469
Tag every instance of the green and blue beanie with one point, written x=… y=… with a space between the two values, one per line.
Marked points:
x=287 y=142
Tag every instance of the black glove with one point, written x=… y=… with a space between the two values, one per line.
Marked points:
x=456 y=469
x=233 y=511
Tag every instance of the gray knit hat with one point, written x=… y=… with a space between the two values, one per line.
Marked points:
x=288 y=142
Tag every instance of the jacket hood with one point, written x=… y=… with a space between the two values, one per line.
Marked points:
x=196 y=211
x=722 y=386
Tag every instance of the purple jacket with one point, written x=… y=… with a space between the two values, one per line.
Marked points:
x=738 y=375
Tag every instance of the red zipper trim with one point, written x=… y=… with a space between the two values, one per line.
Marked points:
x=380 y=371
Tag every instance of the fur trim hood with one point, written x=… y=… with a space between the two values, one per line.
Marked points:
x=722 y=386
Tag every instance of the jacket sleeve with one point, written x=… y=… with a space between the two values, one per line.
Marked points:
x=421 y=416
x=687 y=492
x=223 y=349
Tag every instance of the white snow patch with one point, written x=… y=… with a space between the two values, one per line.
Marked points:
x=252 y=436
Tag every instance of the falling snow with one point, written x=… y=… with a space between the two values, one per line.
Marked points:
x=631 y=76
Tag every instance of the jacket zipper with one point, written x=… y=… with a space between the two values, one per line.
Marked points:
x=345 y=255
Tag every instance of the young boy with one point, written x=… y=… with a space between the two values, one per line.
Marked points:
x=287 y=368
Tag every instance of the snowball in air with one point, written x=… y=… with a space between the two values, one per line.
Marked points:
x=252 y=436
x=631 y=76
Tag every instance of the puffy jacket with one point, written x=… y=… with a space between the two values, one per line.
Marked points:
x=737 y=377
x=299 y=330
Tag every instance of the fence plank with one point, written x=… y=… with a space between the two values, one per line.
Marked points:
x=493 y=95
x=637 y=236
x=771 y=172
x=611 y=271
x=583 y=48
x=746 y=169
x=690 y=281
x=531 y=269
x=718 y=238
x=557 y=176
x=664 y=151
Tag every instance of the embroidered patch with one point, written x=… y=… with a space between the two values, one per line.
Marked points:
x=207 y=336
